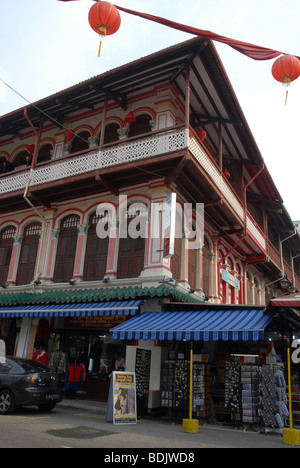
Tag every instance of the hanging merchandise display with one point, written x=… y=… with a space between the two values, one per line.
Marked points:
x=175 y=388
x=273 y=397
x=250 y=394
x=233 y=390
x=201 y=390
x=142 y=371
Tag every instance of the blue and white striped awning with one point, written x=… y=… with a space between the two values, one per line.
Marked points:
x=207 y=325
x=91 y=309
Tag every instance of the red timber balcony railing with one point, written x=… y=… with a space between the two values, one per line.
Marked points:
x=131 y=150
x=274 y=257
x=213 y=170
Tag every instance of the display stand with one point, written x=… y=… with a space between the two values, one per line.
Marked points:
x=250 y=394
x=273 y=398
x=175 y=388
x=233 y=390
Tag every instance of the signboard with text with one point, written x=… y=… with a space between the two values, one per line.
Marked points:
x=104 y=322
x=122 y=398
x=230 y=279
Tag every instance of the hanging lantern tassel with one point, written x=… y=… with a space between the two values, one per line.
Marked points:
x=102 y=36
x=286 y=85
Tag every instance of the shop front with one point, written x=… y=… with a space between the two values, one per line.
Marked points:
x=233 y=367
x=73 y=339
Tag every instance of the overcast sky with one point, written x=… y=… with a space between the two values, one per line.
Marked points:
x=48 y=46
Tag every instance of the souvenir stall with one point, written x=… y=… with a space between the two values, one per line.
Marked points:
x=237 y=377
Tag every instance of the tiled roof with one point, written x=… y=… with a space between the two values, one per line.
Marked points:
x=92 y=295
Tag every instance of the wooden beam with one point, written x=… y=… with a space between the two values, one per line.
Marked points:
x=40 y=200
x=177 y=169
x=111 y=188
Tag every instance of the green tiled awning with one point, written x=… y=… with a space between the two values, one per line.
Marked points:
x=92 y=295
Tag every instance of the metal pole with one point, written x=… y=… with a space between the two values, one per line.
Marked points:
x=191 y=381
x=290 y=387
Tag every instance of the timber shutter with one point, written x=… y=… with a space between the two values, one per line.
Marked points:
x=6 y=245
x=66 y=249
x=96 y=252
x=28 y=254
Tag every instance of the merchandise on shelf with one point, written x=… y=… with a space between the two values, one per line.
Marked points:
x=233 y=389
x=142 y=370
x=250 y=393
x=273 y=397
x=175 y=387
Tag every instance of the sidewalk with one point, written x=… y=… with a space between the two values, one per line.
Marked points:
x=83 y=404
x=153 y=432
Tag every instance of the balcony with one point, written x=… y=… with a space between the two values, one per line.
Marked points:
x=93 y=161
x=156 y=147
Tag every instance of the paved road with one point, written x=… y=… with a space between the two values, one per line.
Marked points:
x=69 y=427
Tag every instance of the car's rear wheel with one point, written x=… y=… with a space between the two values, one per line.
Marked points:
x=7 y=402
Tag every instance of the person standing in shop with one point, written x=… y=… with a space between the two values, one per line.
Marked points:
x=119 y=362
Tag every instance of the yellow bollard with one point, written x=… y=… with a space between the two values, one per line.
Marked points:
x=191 y=425
x=290 y=436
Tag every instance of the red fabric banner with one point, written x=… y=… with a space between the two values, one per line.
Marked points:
x=250 y=50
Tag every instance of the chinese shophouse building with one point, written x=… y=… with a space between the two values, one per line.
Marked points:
x=126 y=140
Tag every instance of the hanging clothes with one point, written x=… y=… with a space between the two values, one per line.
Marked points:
x=41 y=356
x=83 y=375
x=58 y=362
x=73 y=378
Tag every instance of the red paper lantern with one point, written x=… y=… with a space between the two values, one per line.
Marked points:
x=130 y=118
x=104 y=19
x=226 y=174
x=30 y=149
x=286 y=69
x=201 y=134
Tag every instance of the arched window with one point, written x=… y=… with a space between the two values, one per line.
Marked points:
x=80 y=142
x=66 y=249
x=96 y=251
x=6 y=245
x=22 y=159
x=192 y=259
x=249 y=289
x=140 y=126
x=206 y=267
x=239 y=275
x=131 y=250
x=5 y=166
x=231 y=288
x=111 y=133
x=28 y=254
x=44 y=153
x=256 y=292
